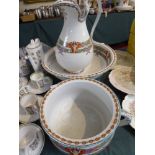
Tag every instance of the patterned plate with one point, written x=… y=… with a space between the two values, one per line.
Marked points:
x=123 y=78
x=104 y=59
x=124 y=59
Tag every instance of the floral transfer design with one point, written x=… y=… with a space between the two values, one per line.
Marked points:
x=74 y=47
x=84 y=151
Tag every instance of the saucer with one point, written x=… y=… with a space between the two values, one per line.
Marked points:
x=124 y=59
x=27 y=129
x=23 y=118
x=128 y=105
x=38 y=91
x=103 y=60
x=123 y=78
x=124 y=8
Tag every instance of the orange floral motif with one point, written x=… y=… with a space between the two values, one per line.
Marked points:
x=75 y=151
x=74 y=46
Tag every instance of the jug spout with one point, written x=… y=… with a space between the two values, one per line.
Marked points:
x=66 y=6
x=84 y=9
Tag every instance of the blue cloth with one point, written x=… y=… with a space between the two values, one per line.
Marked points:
x=111 y=30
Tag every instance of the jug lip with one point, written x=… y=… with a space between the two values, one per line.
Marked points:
x=71 y=3
x=87 y=141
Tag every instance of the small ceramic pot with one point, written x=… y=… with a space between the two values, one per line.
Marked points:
x=29 y=102
x=92 y=11
x=38 y=80
x=35 y=53
x=81 y=116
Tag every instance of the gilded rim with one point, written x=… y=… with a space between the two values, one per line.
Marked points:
x=93 y=75
x=89 y=141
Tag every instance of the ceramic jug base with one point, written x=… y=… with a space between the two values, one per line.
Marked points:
x=95 y=152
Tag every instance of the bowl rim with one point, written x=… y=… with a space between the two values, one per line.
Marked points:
x=91 y=75
x=91 y=140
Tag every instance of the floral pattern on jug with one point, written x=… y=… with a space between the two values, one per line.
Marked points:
x=74 y=47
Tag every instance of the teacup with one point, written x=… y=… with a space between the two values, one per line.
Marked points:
x=28 y=139
x=81 y=116
x=38 y=80
x=29 y=102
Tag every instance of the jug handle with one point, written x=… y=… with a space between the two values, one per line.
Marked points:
x=97 y=18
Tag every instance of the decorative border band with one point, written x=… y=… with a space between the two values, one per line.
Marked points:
x=74 y=47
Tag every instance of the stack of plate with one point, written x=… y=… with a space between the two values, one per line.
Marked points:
x=122 y=76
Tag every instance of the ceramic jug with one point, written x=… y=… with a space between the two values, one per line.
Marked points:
x=74 y=48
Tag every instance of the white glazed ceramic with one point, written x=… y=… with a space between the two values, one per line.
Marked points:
x=103 y=60
x=35 y=53
x=29 y=102
x=31 y=139
x=91 y=10
x=39 y=90
x=74 y=48
x=124 y=59
x=23 y=81
x=80 y=116
x=27 y=118
x=39 y=80
x=128 y=105
x=123 y=78
x=37 y=85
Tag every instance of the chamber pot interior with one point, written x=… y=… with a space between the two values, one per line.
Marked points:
x=78 y=109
